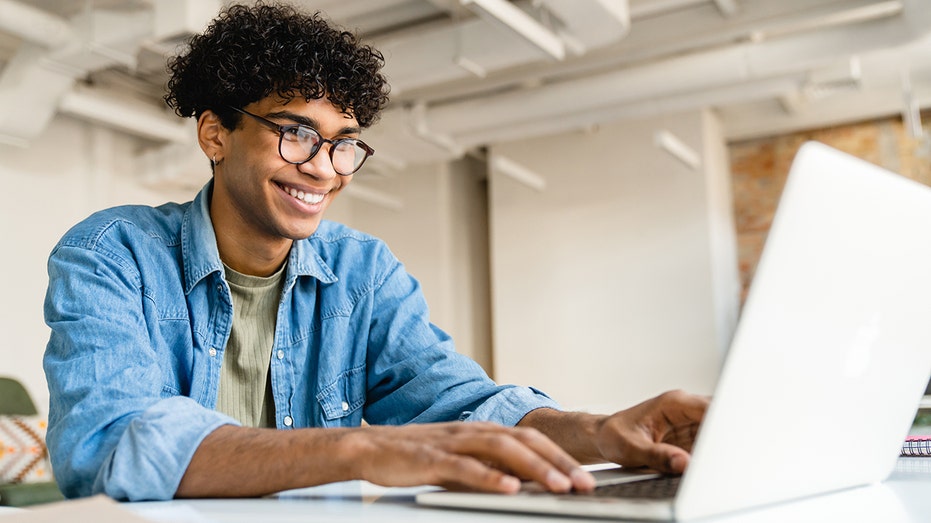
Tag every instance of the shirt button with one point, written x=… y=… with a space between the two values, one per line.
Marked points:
x=280 y=354
x=288 y=421
x=212 y=352
x=345 y=407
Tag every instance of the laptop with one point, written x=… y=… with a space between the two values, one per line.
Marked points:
x=826 y=368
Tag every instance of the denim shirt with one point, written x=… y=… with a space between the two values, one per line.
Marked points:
x=140 y=314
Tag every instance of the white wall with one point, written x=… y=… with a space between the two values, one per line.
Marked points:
x=73 y=170
x=441 y=237
x=605 y=286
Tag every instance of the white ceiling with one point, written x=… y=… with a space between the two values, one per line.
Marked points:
x=461 y=82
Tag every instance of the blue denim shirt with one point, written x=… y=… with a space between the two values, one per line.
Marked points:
x=140 y=313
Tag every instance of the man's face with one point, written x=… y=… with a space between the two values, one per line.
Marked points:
x=257 y=193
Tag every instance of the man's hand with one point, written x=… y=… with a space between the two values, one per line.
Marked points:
x=240 y=462
x=657 y=433
x=481 y=456
x=476 y=456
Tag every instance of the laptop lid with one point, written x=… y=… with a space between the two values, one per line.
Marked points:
x=833 y=349
x=829 y=361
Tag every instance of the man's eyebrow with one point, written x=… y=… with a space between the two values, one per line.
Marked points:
x=310 y=122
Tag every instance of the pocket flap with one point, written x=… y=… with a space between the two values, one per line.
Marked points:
x=345 y=395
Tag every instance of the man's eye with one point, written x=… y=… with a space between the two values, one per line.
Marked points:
x=306 y=133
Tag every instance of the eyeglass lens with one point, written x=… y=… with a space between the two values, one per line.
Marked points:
x=299 y=143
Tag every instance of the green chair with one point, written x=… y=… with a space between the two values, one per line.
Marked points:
x=15 y=401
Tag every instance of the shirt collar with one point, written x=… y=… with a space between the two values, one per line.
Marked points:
x=201 y=257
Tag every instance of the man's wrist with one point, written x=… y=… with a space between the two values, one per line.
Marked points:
x=576 y=432
x=352 y=450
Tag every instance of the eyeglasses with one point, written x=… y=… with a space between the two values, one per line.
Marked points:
x=298 y=143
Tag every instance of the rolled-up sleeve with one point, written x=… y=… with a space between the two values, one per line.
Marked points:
x=114 y=425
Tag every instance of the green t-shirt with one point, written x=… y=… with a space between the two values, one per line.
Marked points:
x=245 y=387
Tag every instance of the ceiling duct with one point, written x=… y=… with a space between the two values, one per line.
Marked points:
x=590 y=27
x=135 y=117
x=40 y=77
x=34 y=25
x=745 y=70
x=432 y=56
x=527 y=27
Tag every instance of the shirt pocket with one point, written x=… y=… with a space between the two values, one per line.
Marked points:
x=344 y=396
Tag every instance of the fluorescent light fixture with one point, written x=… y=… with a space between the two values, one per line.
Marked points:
x=513 y=18
x=671 y=143
x=518 y=172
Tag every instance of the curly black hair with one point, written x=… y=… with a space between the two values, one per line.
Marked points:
x=250 y=52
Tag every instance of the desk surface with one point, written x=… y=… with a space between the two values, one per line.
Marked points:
x=903 y=498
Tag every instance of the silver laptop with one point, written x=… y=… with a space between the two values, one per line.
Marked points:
x=827 y=366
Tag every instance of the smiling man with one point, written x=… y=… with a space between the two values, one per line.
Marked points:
x=233 y=345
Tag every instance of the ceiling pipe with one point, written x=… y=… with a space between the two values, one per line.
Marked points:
x=518 y=172
x=421 y=130
x=672 y=144
x=136 y=118
x=711 y=69
x=441 y=51
x=34 y=25
x=659 y=7
x=640 y=109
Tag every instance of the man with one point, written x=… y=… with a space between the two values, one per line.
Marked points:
x=231 y=346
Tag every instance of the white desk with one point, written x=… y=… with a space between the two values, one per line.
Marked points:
x=905 y=497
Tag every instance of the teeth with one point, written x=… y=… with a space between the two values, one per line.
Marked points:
x=305 y=197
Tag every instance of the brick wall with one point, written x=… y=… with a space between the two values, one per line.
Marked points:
x=759 y=168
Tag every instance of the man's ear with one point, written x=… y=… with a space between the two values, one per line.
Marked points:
x=212 y=136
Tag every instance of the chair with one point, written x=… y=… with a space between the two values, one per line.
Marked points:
x=15 y=401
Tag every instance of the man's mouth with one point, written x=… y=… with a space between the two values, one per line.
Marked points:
x=306 y=197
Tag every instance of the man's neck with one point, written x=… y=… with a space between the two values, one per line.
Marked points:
x=248 y=252
x=253 y=259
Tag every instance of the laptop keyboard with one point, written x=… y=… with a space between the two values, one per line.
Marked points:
x=656 y=488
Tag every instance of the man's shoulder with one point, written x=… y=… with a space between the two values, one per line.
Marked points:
x=128 y=221
x=334 y=241
x=333 y=233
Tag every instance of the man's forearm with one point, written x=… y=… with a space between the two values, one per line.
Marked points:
x=575 y=432
x=247 y=462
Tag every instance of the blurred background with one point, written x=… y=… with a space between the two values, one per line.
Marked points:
x=582 y=187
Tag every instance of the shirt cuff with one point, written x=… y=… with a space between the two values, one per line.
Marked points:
x=510 y=406
x=155 y=450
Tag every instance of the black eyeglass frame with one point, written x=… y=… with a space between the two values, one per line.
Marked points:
x=282 y=129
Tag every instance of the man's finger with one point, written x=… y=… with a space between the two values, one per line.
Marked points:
x=505 y=451
x=460 y=471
